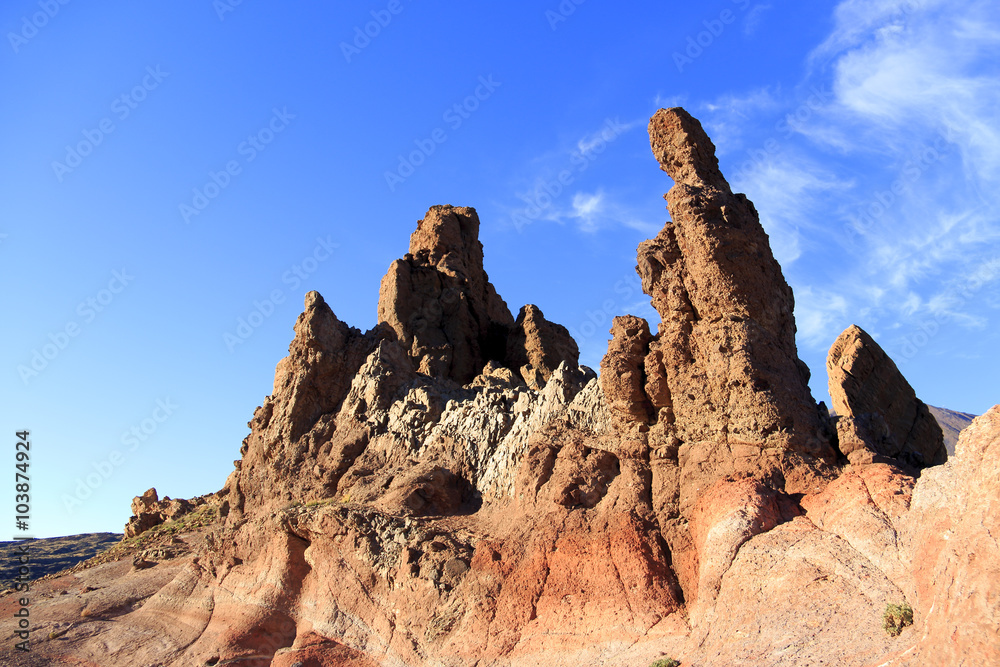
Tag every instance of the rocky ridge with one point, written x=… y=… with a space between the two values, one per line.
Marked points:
x=452 y=488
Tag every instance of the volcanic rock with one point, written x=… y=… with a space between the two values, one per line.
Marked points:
x=877 y=406
x=440 y=302
x=536 y=347
x=406 y=497
x=623 y=377
x=149 y=511
x=726 y=335
x=294 y=424
x=951 y=536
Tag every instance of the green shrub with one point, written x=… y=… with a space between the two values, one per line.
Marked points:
x=666 y=662
x=896 y=617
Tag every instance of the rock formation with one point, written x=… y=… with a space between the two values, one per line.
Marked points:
x=452 y=488
x=439 y=300
x=877 y=408
x=536 y=347
x=149 y=511
x=726 y=339
x=448 y=316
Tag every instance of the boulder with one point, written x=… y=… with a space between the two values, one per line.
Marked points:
x=882 y=411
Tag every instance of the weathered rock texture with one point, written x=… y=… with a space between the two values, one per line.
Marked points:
x=951 y=536
x=451 y=488
x=536 y=347
x=727 y=364
x=439 y=300
x=878 y=408
x=149 y=511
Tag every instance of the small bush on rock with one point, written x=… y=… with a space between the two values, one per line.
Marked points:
x=896 y=617
x=666 y=662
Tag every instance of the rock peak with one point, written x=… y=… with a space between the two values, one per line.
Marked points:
x=448 y=316
x=448 y=238
x=723 y=366
x=684 y=150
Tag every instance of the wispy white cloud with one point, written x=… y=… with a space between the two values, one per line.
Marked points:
x=858 y=21
x=820 y=316
x=591 y=212
x=553 y=194
x=916 y=98
x=726 y=117
x=789 y=193
x=754 y=17
x=592 y=140
x=662 y=101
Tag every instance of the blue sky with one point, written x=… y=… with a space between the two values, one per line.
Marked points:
x=173 y=169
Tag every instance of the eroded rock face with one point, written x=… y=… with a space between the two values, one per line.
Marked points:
x=878 y=407
x=149 y=511
x=291 y=431
x=951 y=536
x=726 y=339
x=718 y=391
x=536 y=347
x=623 y=376
x=440 y=302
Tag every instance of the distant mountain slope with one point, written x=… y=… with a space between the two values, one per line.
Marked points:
x=952 y=424
x=54 y=554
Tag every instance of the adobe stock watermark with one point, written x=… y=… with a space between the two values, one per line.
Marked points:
x=882 y=202
x=103 y=470
x=250 y=148
x=562 y=13
x=698 y=43
x=548 y=191
x=87 y=311
x=122 y=107
x=223 y=7
x=956 y=297
x=455 y=116
x=30 y=25
x=760 y=156
x=364 y=36
x=264 y=308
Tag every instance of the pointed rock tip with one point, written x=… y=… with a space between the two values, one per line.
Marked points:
x=840 y=345
x=683 y=148
x=529 y=310
x=445 y=229
x=313 y=300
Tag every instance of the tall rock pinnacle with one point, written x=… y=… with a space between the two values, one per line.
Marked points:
x=727 y=334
